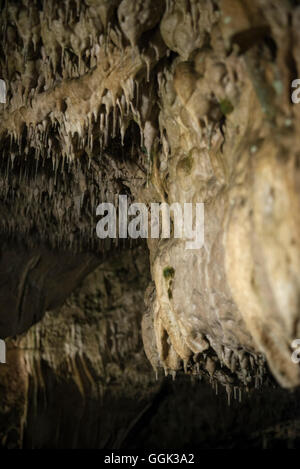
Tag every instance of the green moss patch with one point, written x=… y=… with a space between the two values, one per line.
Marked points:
x=168 y=272
x=226 y=106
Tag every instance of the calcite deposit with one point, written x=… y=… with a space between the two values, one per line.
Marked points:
x=175 y=101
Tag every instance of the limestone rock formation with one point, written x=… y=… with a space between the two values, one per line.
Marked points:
x=80 y=362
x=167 y=101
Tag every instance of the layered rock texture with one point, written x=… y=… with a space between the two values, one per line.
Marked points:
x=167 y=101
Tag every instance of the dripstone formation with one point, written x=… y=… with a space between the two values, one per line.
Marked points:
x=175 y=101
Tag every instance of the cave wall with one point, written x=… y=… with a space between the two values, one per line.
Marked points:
x=79 y=378
x=164 y=101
